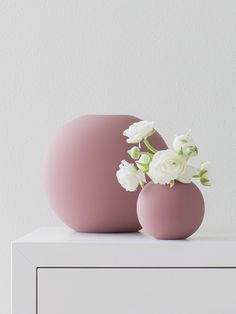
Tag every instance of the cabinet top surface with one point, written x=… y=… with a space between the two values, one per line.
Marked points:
x=62 y=247
x=66 y=235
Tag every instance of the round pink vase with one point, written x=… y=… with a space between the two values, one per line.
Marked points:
x=80 y=174
x=170 y=213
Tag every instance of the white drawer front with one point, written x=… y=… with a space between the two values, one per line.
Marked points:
x=136 y=291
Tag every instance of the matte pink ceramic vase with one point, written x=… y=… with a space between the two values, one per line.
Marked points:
x=80 y=174
x=170 y=213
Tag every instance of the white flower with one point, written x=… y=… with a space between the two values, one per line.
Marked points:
x=129 y=177
x=182 y=140
x=143 y=162
x=205 y=173
x=184 y=143
x=139 y=131
x=186 y=177
x=166 y=166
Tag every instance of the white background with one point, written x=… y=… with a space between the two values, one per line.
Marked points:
x=168 y=61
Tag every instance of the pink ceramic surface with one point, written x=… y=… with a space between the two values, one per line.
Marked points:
x=80 y=174
x=170 y=213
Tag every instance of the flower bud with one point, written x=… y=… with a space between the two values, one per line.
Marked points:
x=134 y=152
x=191 y=151
x=206 y=174
x=143 y=162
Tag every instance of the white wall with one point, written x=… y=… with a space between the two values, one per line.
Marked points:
x=169 y=61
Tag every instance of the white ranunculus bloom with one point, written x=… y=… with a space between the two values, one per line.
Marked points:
x=139 y=131
x=186 y=177
x=185 y=144
x=206 y=174
x=166 y=165
x=143 y=162
x=129 y=177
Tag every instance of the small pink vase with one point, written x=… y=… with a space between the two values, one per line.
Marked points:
x=170 y=213
x=80 y=174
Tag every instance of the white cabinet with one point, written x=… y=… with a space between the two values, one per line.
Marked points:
x=136 y=291
x=58 y=271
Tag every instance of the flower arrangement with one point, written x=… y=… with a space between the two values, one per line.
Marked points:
x=161 y=166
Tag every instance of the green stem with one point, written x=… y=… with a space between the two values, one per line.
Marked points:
x=141 y=184
x=146 y=153
x=149 y=146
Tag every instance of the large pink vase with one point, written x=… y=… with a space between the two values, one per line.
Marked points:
x=80 y=174
x=170 y=213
